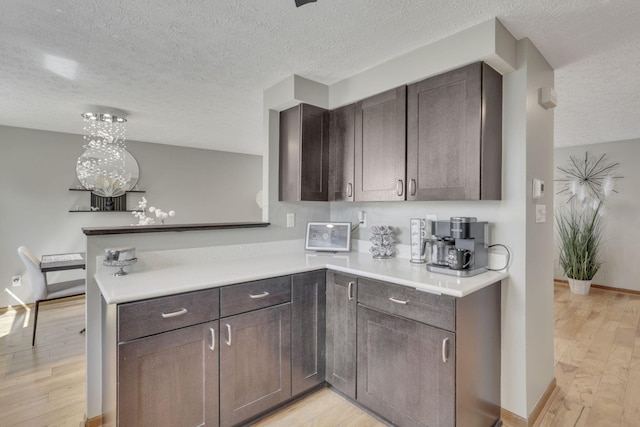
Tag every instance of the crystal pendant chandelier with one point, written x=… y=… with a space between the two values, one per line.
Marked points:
x=102 y=167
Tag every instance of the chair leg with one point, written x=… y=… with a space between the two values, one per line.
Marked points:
x=35 y=323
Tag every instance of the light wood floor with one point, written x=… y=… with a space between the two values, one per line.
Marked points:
x=597 y=352
x=42 y=385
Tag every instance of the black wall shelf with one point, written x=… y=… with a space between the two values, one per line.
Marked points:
x=118 y=204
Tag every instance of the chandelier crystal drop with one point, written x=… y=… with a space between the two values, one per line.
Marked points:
x=102 y=168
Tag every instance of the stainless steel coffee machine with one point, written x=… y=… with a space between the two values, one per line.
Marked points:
x=458 y=247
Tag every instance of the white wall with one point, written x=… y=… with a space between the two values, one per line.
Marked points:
x=37 y=168
x=539 y=236
x=621 y=268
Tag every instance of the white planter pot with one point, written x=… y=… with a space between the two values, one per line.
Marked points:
x=580 y=287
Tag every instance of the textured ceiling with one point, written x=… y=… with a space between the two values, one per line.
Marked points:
x=192 y=73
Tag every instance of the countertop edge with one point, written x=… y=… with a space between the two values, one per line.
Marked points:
x=493 y=277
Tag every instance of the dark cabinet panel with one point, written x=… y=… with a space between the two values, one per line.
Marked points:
x=142 y=318
x=254 y=295
x=432 y=309
x=406 y=370
x=255 y=363
x=170 y=379
x=454 y=135
x=380 y=146
x=308 y=329
x=304 y=153
x=341 y=153
x=341 y=332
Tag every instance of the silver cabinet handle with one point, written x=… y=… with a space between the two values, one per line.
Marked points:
x=349 y=190
x=212 y=346
x=412 y=187
x=228 y=340
x=400 y=187
x=350 y=291
x=256 y=296
x=174 y=313
x=398 y=301
x=445 y=350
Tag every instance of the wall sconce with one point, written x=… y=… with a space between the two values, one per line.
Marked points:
x=106 y=168
x=547 y=97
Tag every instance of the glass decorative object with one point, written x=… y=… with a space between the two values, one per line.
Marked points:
x=383 y=240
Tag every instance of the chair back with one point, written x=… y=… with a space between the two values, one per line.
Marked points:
x=37 y=278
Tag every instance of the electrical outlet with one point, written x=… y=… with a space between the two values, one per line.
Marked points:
x=362 y=218
x=291 y=220
x=16 y=280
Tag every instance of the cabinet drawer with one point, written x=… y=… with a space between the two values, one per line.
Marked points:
x=142 y=318
x=432 y=309
x=254 y=295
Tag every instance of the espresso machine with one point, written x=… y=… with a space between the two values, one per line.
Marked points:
x=458 y=247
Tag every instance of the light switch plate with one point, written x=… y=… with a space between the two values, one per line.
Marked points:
x=291 y=220
x=541 y=213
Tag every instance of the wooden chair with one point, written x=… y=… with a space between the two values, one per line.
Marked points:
x=42 y=291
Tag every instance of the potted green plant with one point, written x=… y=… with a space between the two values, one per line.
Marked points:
x=587 y=182
x=579 y=239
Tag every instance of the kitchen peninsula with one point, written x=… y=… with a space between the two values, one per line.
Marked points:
x=275 y=277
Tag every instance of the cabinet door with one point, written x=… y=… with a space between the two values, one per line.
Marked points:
x=255 y=363
x=170 y=379
x=307 y=330
x=406 y=370
x=454 y=135
x=304 y=153
x=380 y=139
x=341 y=332
x=341 y=153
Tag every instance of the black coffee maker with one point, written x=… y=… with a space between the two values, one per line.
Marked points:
x=466 y=253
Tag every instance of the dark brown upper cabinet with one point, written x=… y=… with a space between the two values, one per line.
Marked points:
x=304 y=154
x=454 y=136
x=341 y=153
x=380 y=146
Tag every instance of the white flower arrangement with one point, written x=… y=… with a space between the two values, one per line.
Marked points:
x=143 y=219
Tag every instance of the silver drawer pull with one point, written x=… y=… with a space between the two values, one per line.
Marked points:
x=175 y=313
x=212 y=346
x=350 y=291
x=262 y=295
x=228 y=340
x=349 y=190
x=400 y=188
x=445 y=350
x=398 y=301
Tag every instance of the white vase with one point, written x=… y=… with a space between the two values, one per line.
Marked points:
x=580 y=287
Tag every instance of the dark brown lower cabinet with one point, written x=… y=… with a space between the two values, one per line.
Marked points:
x=308 y=328
x=255 y=363
x=341 y=332
x=170 y=379
x=406 y=370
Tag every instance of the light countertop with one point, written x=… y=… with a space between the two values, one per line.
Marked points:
x=171 y=272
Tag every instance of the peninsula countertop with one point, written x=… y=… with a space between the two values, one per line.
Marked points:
x=164 y=273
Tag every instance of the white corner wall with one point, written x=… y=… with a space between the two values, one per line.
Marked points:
x=621 y=268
